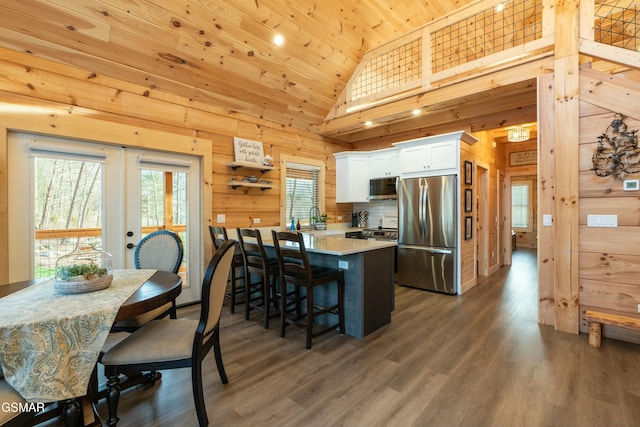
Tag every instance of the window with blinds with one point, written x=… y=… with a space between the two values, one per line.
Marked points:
x=521 y=211
x=302 y=192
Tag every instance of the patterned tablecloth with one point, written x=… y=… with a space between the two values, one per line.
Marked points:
x=50 y=342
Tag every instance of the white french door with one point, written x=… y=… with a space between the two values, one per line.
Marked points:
x=65 y=193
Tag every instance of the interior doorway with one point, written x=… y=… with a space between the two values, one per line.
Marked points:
x=482 y=220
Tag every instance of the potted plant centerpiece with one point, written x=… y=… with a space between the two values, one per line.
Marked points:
x=320 y=222
x=83 y=270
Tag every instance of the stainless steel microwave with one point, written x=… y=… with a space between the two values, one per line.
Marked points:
x=382 y=189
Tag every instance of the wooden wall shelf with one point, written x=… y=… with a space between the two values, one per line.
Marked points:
x=262 y=168
x=261 y=185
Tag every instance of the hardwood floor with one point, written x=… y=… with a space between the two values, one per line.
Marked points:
x=477 y=360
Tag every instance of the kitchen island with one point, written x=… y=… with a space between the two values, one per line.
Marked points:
x=369 y=277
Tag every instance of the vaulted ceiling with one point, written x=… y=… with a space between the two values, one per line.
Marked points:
x=220 y=52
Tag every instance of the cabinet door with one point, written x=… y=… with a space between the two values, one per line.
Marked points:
x=352 y=179
x=383 y=164
x=443 y=155
x=415 y=159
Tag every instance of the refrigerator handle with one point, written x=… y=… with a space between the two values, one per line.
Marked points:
x=424 y=188
x=421 y=207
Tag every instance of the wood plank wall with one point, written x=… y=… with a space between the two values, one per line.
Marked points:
x=30 y=82
x=609 y=257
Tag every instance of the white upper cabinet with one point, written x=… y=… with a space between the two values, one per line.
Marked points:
x=384 y=163
x=436 y=154
x=352 y=177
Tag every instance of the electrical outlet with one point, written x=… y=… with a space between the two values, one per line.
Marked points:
x=602 y=220
x=221 y=218
x=638 y=308
x=344 y=265
x=339 y=217
x=256 y=220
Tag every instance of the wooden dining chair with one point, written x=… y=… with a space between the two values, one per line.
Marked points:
x=297 y=271
x=11 y=415
x=236 y=281
x=175 y=343
x=260 y=272
x=161 y=250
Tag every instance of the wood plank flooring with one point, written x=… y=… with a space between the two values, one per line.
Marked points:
x=477 y=360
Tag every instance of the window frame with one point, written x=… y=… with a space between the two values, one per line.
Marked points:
x=529 y=184
x=288 y=161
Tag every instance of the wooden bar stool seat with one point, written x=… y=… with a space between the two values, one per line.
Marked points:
x=260 y=294
x=236 y=282
x=296 y=271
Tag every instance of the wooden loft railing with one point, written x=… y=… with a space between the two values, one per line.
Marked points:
x=610 y=30
x=474 y=40
x=475 y=46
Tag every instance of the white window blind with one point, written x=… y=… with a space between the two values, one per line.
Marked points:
x=520 y=205
x=302 y=192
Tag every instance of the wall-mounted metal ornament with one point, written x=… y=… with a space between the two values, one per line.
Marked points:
x=618 y=153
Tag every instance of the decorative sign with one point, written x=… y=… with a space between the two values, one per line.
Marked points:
x=521 y=158
x=246 y=150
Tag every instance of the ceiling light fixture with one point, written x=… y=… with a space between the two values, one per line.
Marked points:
x=500 y=7
x=518 y=134
x=416 y=111
x=278 y=40
x=368 y=123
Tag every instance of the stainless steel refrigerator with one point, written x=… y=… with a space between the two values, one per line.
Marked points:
x=427 y=233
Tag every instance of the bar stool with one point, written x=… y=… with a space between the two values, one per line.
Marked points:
x=219 y=236
x=297 y=271
x=261 y=294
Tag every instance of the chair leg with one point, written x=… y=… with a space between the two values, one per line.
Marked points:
x=309 y=316
x=266 y=299
x=283 y=307
x=341 y=303
x=247 y=295
x=233 y=289
x=113 y=397
x=218 y=354
x=198 y=392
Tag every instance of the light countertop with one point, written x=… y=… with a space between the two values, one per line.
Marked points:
x=330 y=242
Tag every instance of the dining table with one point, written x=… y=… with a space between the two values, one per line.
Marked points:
x=50 y=342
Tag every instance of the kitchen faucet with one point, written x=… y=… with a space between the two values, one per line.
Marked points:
x=313 y=212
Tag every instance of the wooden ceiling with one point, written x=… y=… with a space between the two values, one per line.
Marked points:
x=220 y=52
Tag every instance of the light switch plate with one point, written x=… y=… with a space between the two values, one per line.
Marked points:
x=256 y=220
x=547 y=220
x=221 y=218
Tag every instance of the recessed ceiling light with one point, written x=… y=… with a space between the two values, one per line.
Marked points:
x=416 y=111
x=278 y=40
x=368 y=123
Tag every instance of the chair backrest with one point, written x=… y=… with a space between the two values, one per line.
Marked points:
x=218 y=236
x=161 y=250
x=214 y=286
x=253 y=252
x=292 y=256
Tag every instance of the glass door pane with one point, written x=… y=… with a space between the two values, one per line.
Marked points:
x=68 y=209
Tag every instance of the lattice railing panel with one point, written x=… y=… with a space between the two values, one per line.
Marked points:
x=486 y=33
x=616 y=23
x=389 y=70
